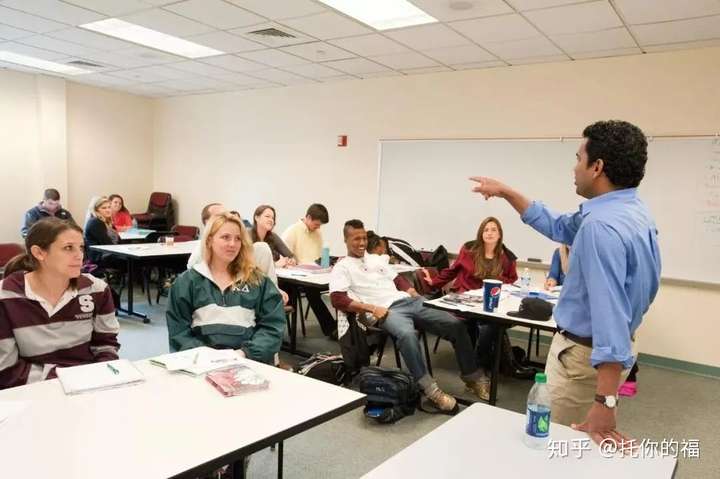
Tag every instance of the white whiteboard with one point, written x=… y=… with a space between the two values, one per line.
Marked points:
x=424 y=195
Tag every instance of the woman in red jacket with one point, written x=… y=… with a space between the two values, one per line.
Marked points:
x=484 y=258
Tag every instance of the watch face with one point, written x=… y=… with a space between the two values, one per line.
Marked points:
x=610 y=401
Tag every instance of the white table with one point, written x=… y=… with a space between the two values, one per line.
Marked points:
x=135 y=234
x=488 y=441
x=507 y=303
x=173 y=425
x=135 y=253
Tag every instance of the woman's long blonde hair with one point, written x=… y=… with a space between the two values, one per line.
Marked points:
x=95 y=203
x=242 y=268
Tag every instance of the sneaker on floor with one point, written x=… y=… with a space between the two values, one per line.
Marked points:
x=481 y=389
x=442 y=401
x=628 y=389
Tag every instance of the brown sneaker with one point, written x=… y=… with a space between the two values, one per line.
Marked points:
x=442 y=401
x=480 y=388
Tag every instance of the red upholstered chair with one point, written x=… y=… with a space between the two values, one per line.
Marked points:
x=7 y=252
x=160 y=214
x=185 y=233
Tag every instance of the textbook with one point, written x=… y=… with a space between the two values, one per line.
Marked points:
x=197 y=361
x=99 y=376
x=310 y=268
x=462 y=299
x=235 y=380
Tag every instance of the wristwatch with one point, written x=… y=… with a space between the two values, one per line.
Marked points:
x=609 y=402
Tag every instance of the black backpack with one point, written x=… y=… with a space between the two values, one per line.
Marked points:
x=326 y=367
x=392 y=394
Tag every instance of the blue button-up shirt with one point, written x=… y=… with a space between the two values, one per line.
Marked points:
x=614 y=270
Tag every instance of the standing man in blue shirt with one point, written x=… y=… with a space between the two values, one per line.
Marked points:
x=613 y=275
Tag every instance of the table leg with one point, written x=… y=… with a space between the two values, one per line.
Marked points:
x=495 y=374
x=281 y=447
x=130 y=311
x=238 y=469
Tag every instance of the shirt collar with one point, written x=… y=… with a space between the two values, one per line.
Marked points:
x=67 y=296
x=616 y=196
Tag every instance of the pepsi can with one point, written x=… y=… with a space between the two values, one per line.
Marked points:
x=491 y=294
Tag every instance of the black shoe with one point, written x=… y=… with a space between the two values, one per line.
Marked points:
x=523 y=372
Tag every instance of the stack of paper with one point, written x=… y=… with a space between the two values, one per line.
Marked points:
x=197 y=361
x=99 y=376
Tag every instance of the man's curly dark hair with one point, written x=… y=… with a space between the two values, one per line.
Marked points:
x=623 y=148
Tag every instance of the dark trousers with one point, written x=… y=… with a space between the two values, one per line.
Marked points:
x=319 y=309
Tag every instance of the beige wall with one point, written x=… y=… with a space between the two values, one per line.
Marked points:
x=278 y=146
x=110 y=147
x=33 y=153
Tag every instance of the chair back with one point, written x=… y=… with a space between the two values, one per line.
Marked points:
x=186 y=233
x=8 y=251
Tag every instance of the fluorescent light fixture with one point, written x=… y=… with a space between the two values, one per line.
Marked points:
x=382 y=14
x=130 y=32
x=16 y=58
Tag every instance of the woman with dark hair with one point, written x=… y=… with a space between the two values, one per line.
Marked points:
x=264 y=220
x=486 y=257
x=51 y=314
x=559 y=267
x=121 y=218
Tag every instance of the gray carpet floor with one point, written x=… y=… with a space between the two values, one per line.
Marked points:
x=669 y=405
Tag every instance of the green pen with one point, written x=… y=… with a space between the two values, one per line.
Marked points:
x=112 y=368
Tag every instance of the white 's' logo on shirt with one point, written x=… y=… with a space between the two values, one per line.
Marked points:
x=86 y=303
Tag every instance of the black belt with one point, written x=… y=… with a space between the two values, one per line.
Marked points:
x=578 y=339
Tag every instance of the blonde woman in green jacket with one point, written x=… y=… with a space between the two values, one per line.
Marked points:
x=224 y=301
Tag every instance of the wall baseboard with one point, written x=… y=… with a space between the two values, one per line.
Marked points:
x=679 y=365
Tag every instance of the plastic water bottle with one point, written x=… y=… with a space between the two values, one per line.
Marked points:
x=537 y=426
x=325 y=258
x=525 y=280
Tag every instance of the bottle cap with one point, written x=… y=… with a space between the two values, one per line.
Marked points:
x=540 y=378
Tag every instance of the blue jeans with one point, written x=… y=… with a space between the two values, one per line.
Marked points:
x=409 y=313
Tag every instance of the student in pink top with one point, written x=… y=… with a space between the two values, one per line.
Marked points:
x=121 y=218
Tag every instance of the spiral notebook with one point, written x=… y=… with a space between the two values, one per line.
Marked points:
x=197 y=361
x=99 y=376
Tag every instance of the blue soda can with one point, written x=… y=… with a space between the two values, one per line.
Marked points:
x=491 y=294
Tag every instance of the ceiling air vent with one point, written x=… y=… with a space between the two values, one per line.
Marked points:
x=83 y=63
x=272 y=32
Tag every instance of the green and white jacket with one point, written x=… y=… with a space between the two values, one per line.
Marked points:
x=247 y=317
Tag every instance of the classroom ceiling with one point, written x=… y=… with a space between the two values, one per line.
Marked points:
x=327 y=46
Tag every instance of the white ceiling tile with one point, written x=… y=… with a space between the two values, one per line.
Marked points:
x=149 y=74
x=192 y=84
x=29 y=22
x=167 y=22
x=584 y=17
x=613 y=39
x=54 y=10
x=101 y=79
x=21 y=68
x=540 y=59
x=607 y=53
x=448 y=11
x=496 y=29
x=273 y=58
x=530 y=47
x=386 y=73
x=370 y=45
x=279 y=9
x=113 y=8
x=318 y=52
x=150 y=56
x=270 y=40
x=150 y=90
x=279 y=76
x=238 y=79
x=357 y=66
x=31 y=51
x=225 y=42
x=460 y=55
x=233 y=63
x=115 y=60
x=479 y=65
x=338 y=78
x=651 y=11
x=159 y=3
x=55 y=45
x=90 y=39
x=423 y=71
x=405 y=61
x=10 y=33
x=682 y=46
x=314 y=71
x=678 y=31
x=197 y=68
x=327 y=25
x=216 y=13
x=425 y=37
x=522 y=5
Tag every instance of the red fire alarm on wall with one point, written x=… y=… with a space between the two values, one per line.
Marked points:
x=342 y=140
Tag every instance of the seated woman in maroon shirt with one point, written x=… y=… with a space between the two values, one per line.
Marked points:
x=484 y=258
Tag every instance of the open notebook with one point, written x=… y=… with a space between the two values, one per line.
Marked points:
x=99 y=376
x=197 y=361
